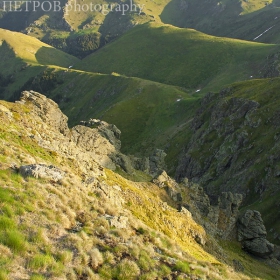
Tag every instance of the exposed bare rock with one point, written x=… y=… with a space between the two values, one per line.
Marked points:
x=157 y=161
x=95 y=144
x=41 y=171
x=109 y=131
x=252 y=234
x=47 y=110
x=218 y=216
x=119 y=222
x=171 y=187
x=6 y=111
x=220 y=127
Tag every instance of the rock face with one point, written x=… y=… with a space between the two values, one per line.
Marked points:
x=109 y=131
x=252 y=234
x=234 y=148
x=41 y=171
x=156 y=161
x=220 y=127
x=47 y=110
x=218 y=215
x=171 y=187
x=91 y=142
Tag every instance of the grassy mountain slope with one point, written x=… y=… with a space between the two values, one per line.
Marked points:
x=24 y=57
x=61 y=229
x=33 y=51
x=181 y=57
x=236 y=19
x=213 y=17
x=61 y=28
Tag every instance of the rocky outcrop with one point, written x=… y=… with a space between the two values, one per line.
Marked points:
x=104 y=139
x=90 y=140
x=156 y=161
x=171 y=187
x=42 y=171
x=47 y=110
x=234 y=147
x=109 y=131
x=218 y=215
x=117 y=221
x=252 y=234
x=220 y=133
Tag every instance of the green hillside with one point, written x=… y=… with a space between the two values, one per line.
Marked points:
x=33 y=51
x=236 y=19
x=24 y=57
x=181 y=57
x=212 y=17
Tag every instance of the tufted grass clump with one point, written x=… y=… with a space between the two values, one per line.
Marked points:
x=106 y=272
x=13 y=239
x=4 y=275
x=41 y=262
x=37 y=277
x=145 y=262
x=183 y=267
x=65 y=256
x=148 y=276
x=127 y=270
x=164 y=270
x=96 y=258
x=6 y=223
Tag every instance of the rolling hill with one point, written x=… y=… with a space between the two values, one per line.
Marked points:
x=153 y=83
x=70 y=29
x=31 y=50
x=236 y=19
x=24 y=57
x=182 y=57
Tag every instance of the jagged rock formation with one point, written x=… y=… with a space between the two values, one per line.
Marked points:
x=156 y=161
x=171 y=187
x=150 y=165
x=252 y=234
x=220 y=216
x=234 y=148
x=226 y=121
x=109 y=131
x=93 y=140
x=47 y=110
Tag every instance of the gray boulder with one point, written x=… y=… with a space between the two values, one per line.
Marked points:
x=252 y=234
x=41 y=171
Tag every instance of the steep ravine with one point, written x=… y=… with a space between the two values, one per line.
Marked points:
x=235 y=147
